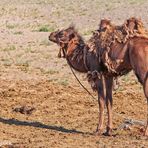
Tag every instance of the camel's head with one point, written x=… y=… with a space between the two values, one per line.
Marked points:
x=54 y=36
x=104 y=24
x=64 y=38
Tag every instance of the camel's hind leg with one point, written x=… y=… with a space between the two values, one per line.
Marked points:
x=146 y=130
x=146 y=94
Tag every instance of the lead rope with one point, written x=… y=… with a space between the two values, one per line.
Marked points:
x=81 y=83
x=77 y=78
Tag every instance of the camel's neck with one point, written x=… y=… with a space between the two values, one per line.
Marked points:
x=76 y=57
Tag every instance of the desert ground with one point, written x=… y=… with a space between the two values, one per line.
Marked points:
x=41 y=103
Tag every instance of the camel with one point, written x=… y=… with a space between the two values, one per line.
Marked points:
x=81 y=58
x=121 y=54
x=103 y=58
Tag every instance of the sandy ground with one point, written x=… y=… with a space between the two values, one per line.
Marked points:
x=31 y=76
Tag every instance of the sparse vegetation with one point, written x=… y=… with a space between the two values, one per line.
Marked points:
x=48 y=56
x=45 y=42
x=53 y=80
x=11 y=26
x=48 y=71
x=46 y=28
x=126 y=78
x=136 y=1
x=30 y=49
x=22 y=63
x=87 y=32
x=18 y=32
x=6 y=62
x=63 y=82
x=9 y=48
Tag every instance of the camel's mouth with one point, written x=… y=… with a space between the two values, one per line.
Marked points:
x=52 y=38
x=62 y=38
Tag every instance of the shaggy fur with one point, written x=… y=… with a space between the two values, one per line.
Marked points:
x=108 y=34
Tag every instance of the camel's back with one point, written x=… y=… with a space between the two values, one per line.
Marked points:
x=139 y=47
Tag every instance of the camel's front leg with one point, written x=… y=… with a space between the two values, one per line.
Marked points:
x=109 y=102
x=101 y=102
x=146 y=130
x=146 y=94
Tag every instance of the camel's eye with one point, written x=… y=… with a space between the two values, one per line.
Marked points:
x=60 y=34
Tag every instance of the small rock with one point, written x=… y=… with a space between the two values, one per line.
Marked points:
x=24 y=110
x=127 y=127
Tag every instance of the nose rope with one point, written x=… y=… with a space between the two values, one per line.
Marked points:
x=77 y=77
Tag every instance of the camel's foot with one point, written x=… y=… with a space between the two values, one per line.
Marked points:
x=108 y=132
x=146 y=133
x=98 y=132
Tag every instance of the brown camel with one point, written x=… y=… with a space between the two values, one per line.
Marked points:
x=122 y=53
x=103 y=60
x=82 y=59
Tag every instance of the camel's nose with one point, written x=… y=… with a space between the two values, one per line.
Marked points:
x=50 y=37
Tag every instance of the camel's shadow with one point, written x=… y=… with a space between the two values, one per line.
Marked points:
x=39 y=125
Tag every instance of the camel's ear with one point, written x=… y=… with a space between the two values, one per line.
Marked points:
x=72 y=26
x=126 y=23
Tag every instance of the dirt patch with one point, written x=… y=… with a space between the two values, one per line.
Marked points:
x=65 y=116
